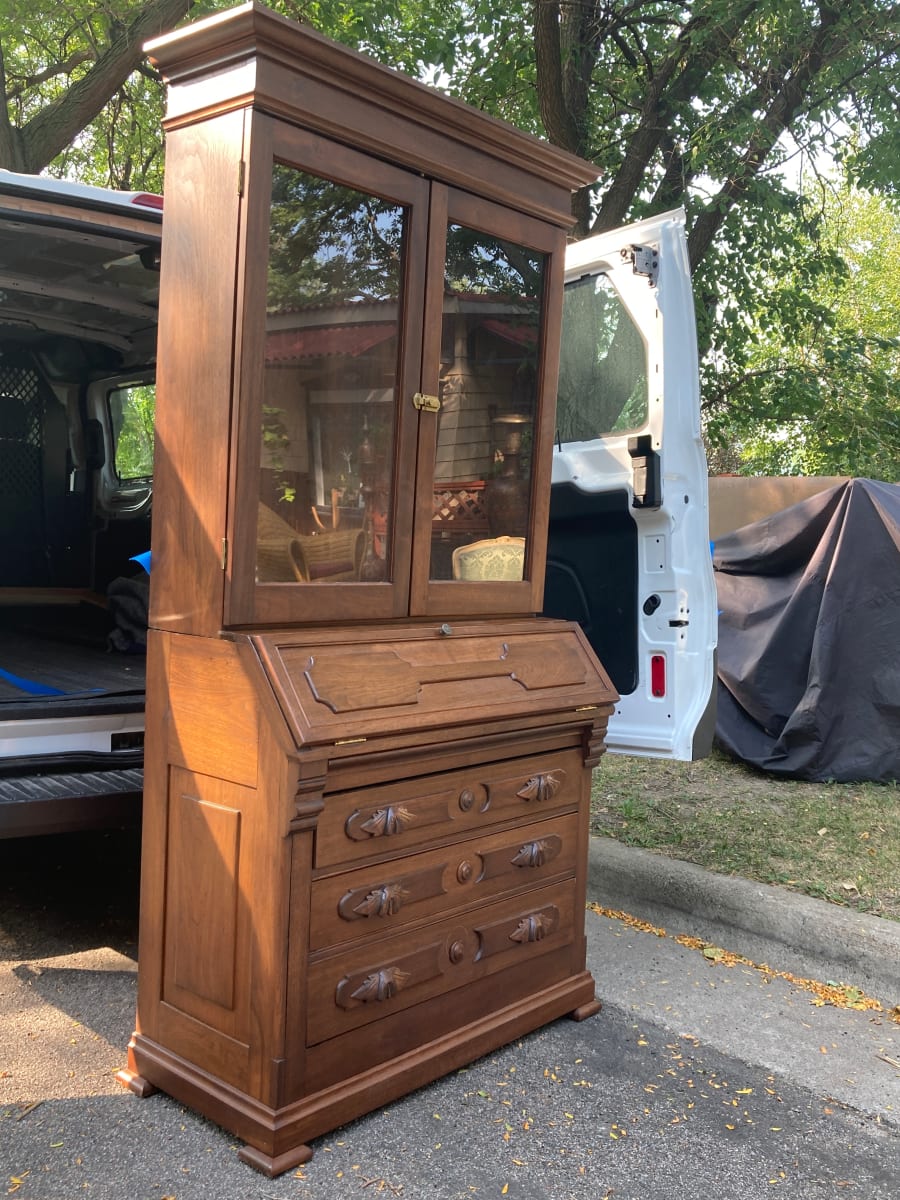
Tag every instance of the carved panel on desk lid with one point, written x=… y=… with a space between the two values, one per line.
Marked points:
x=384 y=679
x=496 y=937
x=542 y=787
x=386 y=899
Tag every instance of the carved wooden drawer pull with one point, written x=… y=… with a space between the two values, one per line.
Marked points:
x=540 y=787
x=386 y=821
x=381 y=985
x=532 y=928
x=383 y=901
x=537 y=853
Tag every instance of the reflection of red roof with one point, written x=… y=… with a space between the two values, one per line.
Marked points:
x=286 y=344
x=520 y=335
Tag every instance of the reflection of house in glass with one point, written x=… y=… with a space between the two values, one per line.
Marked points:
x=329 y=415
x=329 y=379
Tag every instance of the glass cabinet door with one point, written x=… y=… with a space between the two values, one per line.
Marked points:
x=487 y=445
x=339 y=346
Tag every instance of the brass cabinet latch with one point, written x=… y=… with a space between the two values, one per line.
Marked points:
x=428 y=403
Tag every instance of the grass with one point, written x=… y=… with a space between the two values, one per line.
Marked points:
x=838 y=842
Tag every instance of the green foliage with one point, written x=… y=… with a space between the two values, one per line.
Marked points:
x=133 y=409
x=810 y=383
x=699 y=103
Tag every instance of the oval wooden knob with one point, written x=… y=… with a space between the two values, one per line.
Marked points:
x=464 y=872
x=457 y=953
x=466 y=799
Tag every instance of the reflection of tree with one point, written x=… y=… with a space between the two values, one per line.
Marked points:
x=329 y=244
x=602 y=370
x=479 y=263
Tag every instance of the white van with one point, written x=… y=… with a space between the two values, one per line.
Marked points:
x=78 y=316
x=628 y=555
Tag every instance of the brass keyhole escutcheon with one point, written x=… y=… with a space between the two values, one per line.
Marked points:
x=464 y=872
x=457 y=953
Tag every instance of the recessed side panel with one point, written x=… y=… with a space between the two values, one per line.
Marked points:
x=206 y=926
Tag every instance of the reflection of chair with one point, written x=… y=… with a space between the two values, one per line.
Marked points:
x=334 y=556
x=285 y=556
x=493 y=558
x=273 y=541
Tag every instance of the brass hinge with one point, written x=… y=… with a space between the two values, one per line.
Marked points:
x=224 y=554
x=242 y=174
x=587 y=708
x=349 y=741
x=428 y=403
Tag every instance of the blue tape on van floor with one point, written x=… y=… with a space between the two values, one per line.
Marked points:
x=29 y=685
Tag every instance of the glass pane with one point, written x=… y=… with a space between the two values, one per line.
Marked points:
x=603 y=365
x=132 y=408
x=489 y=378
x=333 y=314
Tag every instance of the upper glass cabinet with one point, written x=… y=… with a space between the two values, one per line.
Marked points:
x=390 y=399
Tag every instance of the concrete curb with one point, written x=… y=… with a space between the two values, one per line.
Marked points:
x=770 y=925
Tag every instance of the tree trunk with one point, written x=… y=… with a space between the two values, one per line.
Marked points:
x=56 y=125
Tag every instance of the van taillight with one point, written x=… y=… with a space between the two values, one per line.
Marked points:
x=147 y=199
x=658 y=675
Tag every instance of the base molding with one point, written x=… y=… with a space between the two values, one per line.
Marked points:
x=586 y=1010
x=141 y=1087
x=278 y=1139
x=270 y=1165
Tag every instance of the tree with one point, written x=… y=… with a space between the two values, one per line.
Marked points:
x=73 y=75
x=693 y=102
x=814 y=387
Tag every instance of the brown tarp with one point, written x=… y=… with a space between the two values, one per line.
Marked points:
x=809 y=637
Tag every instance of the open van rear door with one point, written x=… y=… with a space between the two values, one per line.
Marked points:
x=628 y=555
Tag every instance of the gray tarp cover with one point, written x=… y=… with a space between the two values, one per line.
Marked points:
x=809 y=637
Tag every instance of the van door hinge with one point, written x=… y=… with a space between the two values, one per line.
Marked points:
x=644 y=261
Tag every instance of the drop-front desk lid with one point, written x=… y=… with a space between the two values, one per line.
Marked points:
x=360 y=682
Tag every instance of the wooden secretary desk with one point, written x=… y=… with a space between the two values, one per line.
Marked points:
x=368 y=762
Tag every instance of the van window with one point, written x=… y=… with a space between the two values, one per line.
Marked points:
x=603 y=364
x=131 y=411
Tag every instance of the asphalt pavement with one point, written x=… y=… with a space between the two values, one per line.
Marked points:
x=697 y=1080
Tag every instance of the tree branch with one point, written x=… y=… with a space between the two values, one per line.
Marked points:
x=57 y=124
x=787 y=102
x=51 y=72
x=677 y=79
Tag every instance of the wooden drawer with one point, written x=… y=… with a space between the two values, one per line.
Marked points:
x=397 y=817
x=378 y=899
x=369 y=982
